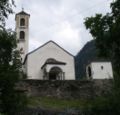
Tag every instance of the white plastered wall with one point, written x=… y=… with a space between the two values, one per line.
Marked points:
x=101 y=70
x=36 y=59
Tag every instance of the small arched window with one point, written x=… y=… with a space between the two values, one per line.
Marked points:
x=22 y=22
x=89 y=72
x=22 y=35
x=102 y=67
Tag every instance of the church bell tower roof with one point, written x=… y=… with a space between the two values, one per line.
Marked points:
x=22 y=13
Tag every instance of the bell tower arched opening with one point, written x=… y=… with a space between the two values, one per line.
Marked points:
x=22 y=35
x=22 y=22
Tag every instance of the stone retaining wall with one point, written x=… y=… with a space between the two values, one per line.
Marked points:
x=67 y=89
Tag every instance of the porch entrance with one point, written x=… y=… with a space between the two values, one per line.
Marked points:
x=55 y=73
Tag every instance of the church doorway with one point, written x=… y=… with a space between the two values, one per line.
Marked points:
x=55 y=73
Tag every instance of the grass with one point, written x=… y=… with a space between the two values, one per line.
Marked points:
x=54 y=103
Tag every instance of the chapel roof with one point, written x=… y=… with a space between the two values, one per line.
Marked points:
x=53 y=61
x=99 y=61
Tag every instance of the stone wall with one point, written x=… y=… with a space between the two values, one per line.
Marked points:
x=67 y=89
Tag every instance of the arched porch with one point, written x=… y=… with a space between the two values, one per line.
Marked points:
x=56 y=73
x=53 y=70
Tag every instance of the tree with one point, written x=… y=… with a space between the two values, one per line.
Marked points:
x=105 y=29
x=10 y=71
x=11 y=98
x=5 y=9
x=106 y=32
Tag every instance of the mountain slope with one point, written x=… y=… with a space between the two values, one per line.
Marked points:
x=87 y=54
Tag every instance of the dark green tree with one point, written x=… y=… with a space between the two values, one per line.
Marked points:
x=106 y=32
x=105 y=29
x=12 y=99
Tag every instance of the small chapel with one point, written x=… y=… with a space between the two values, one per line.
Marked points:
x=49 y=61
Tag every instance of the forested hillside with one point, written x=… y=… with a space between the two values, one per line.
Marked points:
x=84 y=56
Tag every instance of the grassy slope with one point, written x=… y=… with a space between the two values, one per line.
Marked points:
x=54 y=103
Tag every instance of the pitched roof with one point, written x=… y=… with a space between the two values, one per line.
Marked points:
x=22 y=13
x=99 y=61
x=53 y=61
x=43 y=46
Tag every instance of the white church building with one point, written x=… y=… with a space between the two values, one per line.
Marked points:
x=49 y=61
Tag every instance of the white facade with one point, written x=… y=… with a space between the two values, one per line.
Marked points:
x=99 y=70
x=36 y=67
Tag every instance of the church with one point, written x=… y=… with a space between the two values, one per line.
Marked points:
x=49 y=61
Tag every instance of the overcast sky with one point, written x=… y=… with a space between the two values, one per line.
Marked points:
x=59 y=20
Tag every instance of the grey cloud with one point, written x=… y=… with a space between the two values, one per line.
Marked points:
x=60 y=21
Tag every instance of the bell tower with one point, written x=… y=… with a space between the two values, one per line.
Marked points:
x=22 y=32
